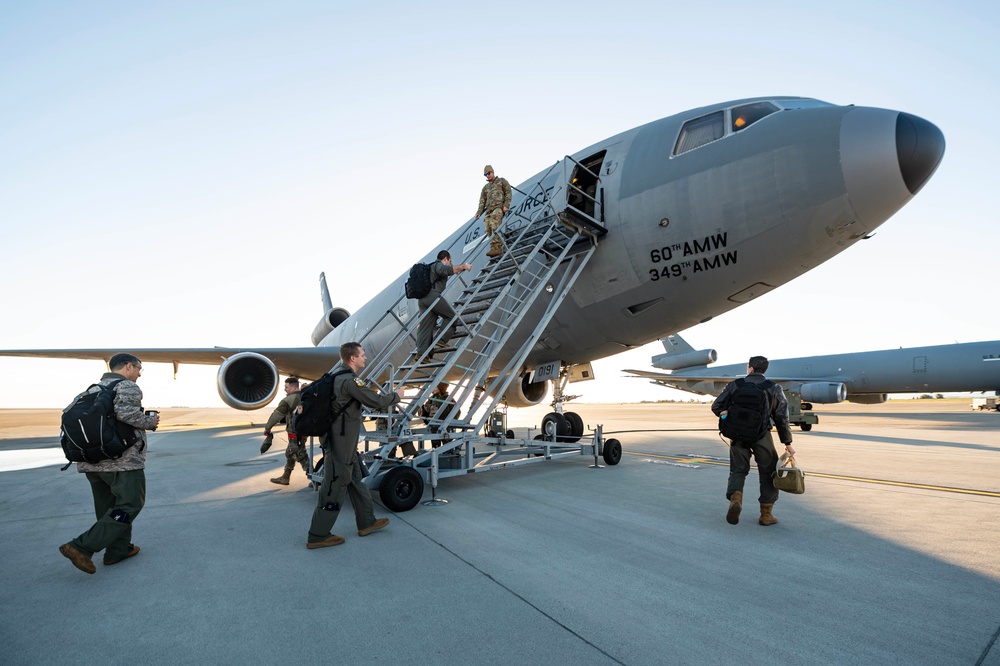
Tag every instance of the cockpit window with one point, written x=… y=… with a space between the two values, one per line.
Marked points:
x=700 y=131
x=746 y=115
x=802 y=103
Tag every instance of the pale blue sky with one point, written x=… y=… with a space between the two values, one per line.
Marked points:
x=179 y=174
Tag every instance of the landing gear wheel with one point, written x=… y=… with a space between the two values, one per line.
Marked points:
x=806 y=427
x=555 y=424
x=575 y=426
x=612 y=451
x=401 y=489
x=807 y=405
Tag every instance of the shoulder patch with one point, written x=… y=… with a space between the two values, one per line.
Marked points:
x=360 y=382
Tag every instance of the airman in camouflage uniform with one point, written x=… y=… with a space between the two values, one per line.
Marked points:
x=119 y=485
x=495 y=202
x=295 y=452
x=439 y=401
x=341 y=470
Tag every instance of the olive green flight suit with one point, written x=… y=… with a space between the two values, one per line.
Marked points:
x=341 y=470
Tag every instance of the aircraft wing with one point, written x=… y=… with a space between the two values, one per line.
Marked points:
x=705 y=384
x=699 y=385
x=305 y=362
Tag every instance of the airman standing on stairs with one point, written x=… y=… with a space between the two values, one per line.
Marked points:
x=495 y=202
x=441 y=270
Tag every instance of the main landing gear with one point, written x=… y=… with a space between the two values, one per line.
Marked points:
x=568 y=427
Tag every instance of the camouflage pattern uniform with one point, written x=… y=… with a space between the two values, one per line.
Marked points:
x=341 y=470
x=295 y=452
x=118 y=486
x=434 y=404
x=493 y=199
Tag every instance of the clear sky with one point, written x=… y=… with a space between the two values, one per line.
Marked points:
x=178 y=174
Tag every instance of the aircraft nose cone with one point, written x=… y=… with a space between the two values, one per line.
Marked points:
x=919 y=148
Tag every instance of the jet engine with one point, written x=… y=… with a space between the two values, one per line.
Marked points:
x=523 y=394
x=867 y=398
x=247 y=381
x=331 y=320
x=823 y=393
x=690 y=359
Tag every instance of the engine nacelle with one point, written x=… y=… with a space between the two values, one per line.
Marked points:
x=247 y=381
x=824 y=393
x=867 y=398
x=690 y=359
x=331 y=320
x=523 y=394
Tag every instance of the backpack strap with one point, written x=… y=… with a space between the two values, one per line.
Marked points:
x=125 y=430
x=342 y=414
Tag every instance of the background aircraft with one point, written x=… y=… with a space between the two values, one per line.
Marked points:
x=862 y=377
x=693 y=215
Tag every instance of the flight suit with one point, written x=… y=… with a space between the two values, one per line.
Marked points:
x=442 y=308
x=341 y=470
x=762 y=450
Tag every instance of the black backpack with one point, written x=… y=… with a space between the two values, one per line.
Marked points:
x=90 y=432
x=316 y=400
x=749 y=415
x=419 y=284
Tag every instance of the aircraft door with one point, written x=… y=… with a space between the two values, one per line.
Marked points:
x=584 y=191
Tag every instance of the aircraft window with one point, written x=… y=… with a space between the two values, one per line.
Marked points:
x=746 y=115
x=698 y=132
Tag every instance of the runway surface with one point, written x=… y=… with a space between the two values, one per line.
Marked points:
x=890 y=557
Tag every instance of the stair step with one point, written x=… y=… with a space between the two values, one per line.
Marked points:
x=425 y=364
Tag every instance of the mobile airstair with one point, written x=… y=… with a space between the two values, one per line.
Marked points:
x=499 y=317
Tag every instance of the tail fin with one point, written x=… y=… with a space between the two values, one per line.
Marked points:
x=682 y=356
x=324 y=294
x=675 y=344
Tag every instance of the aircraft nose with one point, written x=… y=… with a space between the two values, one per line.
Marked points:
x=886 y=157
x=919 y=148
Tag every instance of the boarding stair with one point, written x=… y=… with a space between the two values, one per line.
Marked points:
x=543 y=255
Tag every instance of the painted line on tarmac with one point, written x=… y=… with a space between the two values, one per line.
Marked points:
x=672 y=463
x=695 y=461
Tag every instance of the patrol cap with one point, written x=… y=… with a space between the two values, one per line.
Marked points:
x=487 y=169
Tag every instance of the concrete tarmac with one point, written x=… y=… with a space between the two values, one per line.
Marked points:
x=890 y=556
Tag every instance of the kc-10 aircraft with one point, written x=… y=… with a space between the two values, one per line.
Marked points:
x=701 y=212
x=861 y=377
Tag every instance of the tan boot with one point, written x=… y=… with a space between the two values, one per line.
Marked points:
x=494 y=252
x=735 y=506
x=283 y=479
x=377 y=525
x=332 y=540
x=765 y=515
x=79 y=560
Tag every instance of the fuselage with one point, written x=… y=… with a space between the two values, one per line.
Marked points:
x=705 y=210
x=971 y=366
